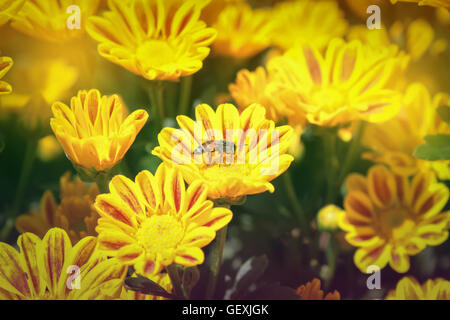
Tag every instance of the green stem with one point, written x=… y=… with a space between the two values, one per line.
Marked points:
x=219 y=244
x=331 y=254
x=352 y=153
x=172 y=270
x=102 y=181
x=156 y=94
x=331 y=165
x=27 y=166
x=295 y=204
x=185 y=95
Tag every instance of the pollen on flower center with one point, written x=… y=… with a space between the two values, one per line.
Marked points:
x=160 y=232
x=154 y=53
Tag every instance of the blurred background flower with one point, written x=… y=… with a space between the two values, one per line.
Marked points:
x=409 y=289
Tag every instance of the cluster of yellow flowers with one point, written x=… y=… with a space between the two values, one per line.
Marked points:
x=319 y=73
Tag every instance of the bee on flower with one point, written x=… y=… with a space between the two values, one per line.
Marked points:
x=257 y=154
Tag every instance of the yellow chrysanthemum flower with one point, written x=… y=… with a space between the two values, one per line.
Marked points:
x=9 y=8
x=36 y=87
x=50 y=20
x=390 y=219
x=95 y=132
x=351 y=81
x=433 y=3
x=75 y=213
x=42 y=268
x=258 y=87
x=416 y=38
x=394 y=141
x=161 y=279
x=155 y=221
x=409 y=289
x=360 y=7
x=302 y=22
x=5 y=64
x=212 y=10
x=232 y=154
x=311 y=291
x=242 y=31
x=159 y=40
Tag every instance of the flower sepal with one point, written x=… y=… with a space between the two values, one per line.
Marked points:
x=230 y=201
x=101 y=178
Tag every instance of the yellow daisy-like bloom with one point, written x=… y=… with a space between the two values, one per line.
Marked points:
x=155 y=221
x=95 y=132
x=212 y=10
x=360 y=7
x=351 y=81
x=75 y=213
x=416 y=38
x=9 y=8
x=5 y=64
x=42 y=269
x=258 y=87
x=311 y=291
x=390 y=219
x=232 y=154
x=159 y=40
x=162 y=279
x=309 y=22
x=242 y=31
x=36 y=87
x=50 y=20
x=433 y=3
x=409 y=289
x=393 y=142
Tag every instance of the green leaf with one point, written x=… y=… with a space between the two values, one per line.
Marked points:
x=146 y=286
x=437 y=147
x=444 y=113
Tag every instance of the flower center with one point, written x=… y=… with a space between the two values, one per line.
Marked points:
x=155 y=54
x=223 y=171
x=395 y=223
x=158 y=234
x=329 y=99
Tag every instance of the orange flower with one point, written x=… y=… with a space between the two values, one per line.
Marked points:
x=75 y=213
x=311 y=291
